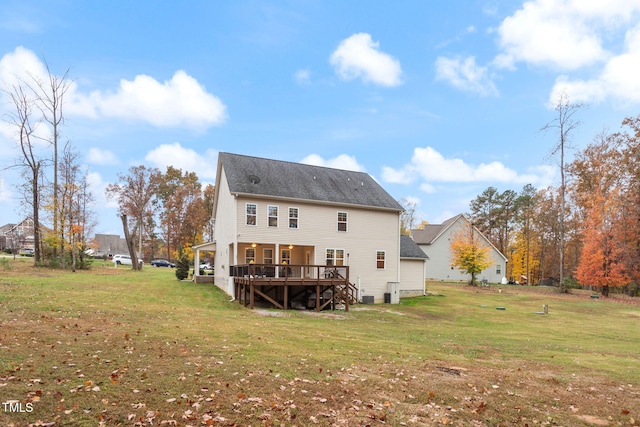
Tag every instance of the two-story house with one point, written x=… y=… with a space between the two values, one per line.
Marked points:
x=435 y=241
x=277 y=220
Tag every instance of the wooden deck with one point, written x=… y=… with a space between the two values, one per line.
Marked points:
x=294 y=286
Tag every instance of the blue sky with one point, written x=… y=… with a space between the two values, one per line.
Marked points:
x=436 y=100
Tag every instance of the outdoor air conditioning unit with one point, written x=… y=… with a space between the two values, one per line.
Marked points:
x=367 y=299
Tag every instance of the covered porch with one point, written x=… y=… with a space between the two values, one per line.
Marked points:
x=298 y=286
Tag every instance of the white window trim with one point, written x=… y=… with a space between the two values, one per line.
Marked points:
x=246 y=215
x=289 y=218
x=282 y=258
x=385 y=259
x=246 y=255
x=335 y=258
x=346 y=222
x=264 y=255
x=277 y=217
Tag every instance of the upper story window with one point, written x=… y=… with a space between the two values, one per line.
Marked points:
x=252 y=213
x=498 y=268
x=342 y=221
x=293 y=217
x=381 y=260
x=272 y=214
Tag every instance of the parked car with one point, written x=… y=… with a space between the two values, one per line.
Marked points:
x=162 y=263
x=124 y=260
x=206 y=266
x=27 y=252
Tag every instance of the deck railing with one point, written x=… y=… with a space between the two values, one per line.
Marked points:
x=328 y=285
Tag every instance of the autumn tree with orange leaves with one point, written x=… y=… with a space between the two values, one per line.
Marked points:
x=468 y=253
x=605 y=189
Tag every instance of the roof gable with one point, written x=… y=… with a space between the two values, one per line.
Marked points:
x=409 y=249
x=430 y=232
x=279 y=179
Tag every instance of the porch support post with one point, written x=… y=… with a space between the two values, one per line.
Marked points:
x=252 y=296
x=286 y=297
x=277 y=260
x=196 y=264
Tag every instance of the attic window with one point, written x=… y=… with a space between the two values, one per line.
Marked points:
x=254 y=179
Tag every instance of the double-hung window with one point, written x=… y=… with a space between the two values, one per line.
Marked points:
x=381 y=260
x=286 y=256
x=335 y=257
x=267 y=256
x=251 y=213
x=249 y=255
x=293 y=217
x=272 y=214
x=342 y=221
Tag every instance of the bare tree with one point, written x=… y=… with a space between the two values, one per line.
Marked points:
x=31 y=164
x=564 y=124
x=408 y=216
x=49 y=97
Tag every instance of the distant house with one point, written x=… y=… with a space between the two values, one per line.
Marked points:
x=305 y=226
x=435 y=240
x=16 y=237
x=109 y=244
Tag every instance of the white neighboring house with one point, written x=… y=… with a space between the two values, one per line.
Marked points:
x=284 y=214
x=435 y=240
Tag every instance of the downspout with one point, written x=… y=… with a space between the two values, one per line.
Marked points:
x=399 y=240
x=235 y=244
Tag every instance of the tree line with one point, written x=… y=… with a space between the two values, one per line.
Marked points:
x=54 y=185
x=163 y=213
x=584 y=232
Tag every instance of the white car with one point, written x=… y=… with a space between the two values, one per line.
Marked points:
x=124 y=260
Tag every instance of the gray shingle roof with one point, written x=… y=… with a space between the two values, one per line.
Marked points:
x=409 y=249
x=426 y=235
x=274 y=178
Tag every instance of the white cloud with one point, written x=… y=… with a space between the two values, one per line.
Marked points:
x=358 y=56
x=556 y=33
x=302 y=77
x=179 y=102
x=97 y=187
x=101 y=157
x=581 y=39
x=343 y=161
x=19 y=65
x=465 y=74
x=429 y=166
x=5 y=193
x=618 y=79
x=204 y=165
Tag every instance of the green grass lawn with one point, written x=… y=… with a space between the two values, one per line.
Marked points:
x=110 y=346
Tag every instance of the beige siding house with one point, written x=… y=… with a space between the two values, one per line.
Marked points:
x=413 y=273
x=283 y=216
x=435 y=239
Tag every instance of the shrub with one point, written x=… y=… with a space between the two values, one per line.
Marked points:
x=182 y=266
